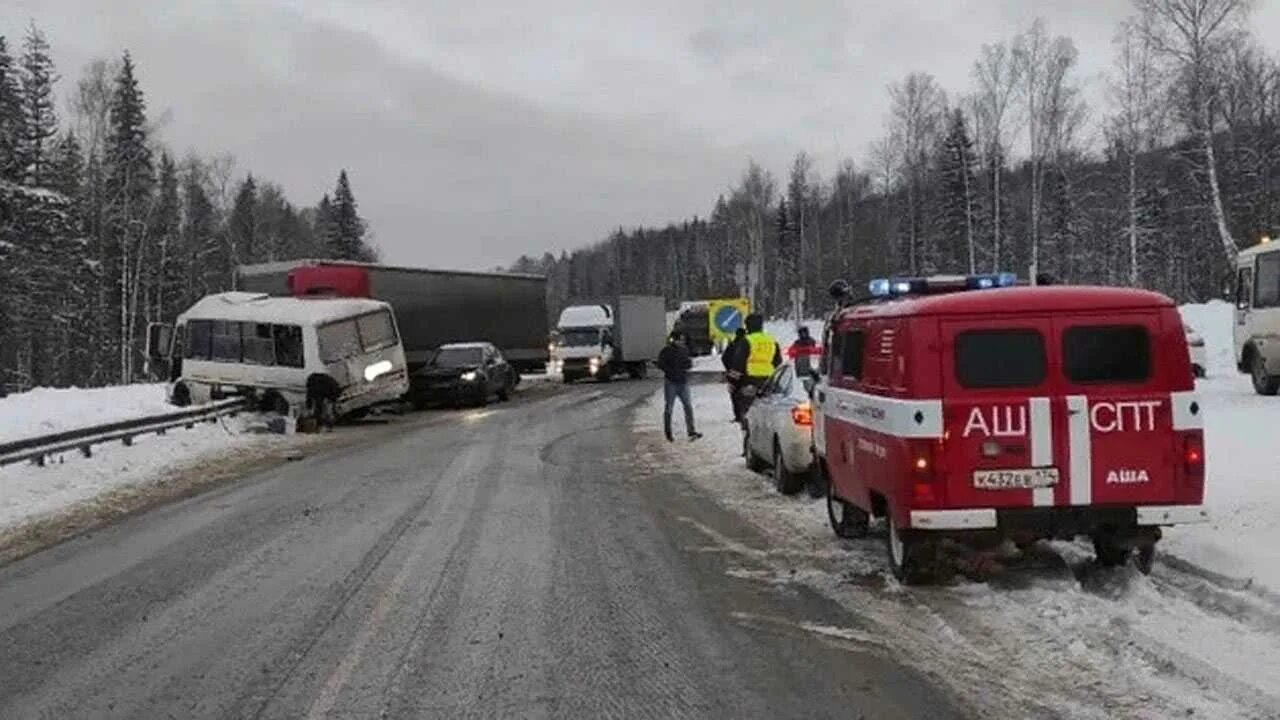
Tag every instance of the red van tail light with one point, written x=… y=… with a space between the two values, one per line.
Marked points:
x=923 y=472
x=1193 y=454
x=802 y=415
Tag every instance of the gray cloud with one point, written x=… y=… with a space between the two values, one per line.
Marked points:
x=478 y=130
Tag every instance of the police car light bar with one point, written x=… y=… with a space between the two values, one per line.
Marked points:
x=895 y=287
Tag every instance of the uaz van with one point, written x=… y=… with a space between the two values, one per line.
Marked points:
x=973 y=409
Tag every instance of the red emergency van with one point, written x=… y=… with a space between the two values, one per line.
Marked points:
x=977 y=410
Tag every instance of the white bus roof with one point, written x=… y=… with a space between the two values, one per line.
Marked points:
x=1259 y=249
x=258 y=307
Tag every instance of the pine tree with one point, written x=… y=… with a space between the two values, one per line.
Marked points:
x=244 y=224
x=11 y=125
x=128 y=184
x=39 y=113
x=167 y=232
x=957 y=215
x=348 y=227
x=325 y=229
x=74 y=282
x=207 y=260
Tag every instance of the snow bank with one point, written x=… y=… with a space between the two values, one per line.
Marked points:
x=29 y=493
x=45 y=410
x=1215 y=322
x=1242 y=488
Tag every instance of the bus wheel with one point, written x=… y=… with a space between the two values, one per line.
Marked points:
x=1263 y=383
x=910 y=558
x=181 y=395
x=847 y=520
x=1108 y=552
x=274 y=402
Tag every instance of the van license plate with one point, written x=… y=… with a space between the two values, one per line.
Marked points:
x=1015 y=479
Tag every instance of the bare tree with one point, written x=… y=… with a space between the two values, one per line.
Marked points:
x=918 y=105
x=1138 y=125
x=1193 y=35
x=1052 y=105
x=996 y=75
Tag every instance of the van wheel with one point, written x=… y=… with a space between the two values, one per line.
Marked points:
x=910 y=558
x=787 y=482
x=637 y=371
x=847 y=520
x=1109 y=553
x=181 y=395
x=1263 y=383
x=504 y=394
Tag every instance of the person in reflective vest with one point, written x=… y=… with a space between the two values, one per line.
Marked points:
x=762 y=355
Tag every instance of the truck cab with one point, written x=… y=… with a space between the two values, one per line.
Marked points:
x=974 y=410
x=584 y=342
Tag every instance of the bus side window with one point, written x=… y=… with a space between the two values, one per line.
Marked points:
x=288 y=339
x=259 y=346
x=226 y=341
x=199 y=339
x=1244 y=288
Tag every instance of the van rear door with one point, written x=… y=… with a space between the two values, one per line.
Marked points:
x=999 y=390
x=1120 y=434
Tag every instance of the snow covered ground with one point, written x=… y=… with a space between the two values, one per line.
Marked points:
x=1053 y=635
x=46 y=410
x=29 y=493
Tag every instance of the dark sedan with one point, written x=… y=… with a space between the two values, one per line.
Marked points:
x=463 y=373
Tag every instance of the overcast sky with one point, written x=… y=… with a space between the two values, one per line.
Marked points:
x=475 y=131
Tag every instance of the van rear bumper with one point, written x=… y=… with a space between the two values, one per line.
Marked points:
x=1057 y=520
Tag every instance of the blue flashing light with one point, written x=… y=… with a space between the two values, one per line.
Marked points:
x=899 y=286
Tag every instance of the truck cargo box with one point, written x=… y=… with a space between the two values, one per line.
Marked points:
x=432 y=307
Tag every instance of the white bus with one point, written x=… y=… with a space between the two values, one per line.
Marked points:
x=328 y=357
x=1257 y=331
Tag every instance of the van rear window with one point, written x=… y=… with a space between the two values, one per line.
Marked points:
x=1000 y=358
x=1106 y=353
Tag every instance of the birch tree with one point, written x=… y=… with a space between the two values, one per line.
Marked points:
x=918 y=105
x=1192 y=36
x=1137 y=93
x=996 y=75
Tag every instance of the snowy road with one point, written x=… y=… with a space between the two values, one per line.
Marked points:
x=526 y=560
x=1051 y=635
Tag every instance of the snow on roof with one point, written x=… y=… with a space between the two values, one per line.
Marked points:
x=259 y=307
x=465 y=346
x=585 y=316
x=1260 y=249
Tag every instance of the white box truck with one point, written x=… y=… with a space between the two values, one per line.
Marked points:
x=600 y=340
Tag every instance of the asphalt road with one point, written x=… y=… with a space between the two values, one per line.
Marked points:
x=518 y=561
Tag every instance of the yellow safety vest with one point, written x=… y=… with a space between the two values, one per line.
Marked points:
x=763 y=350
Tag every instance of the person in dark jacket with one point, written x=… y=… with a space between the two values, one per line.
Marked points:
x=803 y=350
x=734 y=359
x=674 y=362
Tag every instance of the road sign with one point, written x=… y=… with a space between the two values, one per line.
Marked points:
x=726 y=316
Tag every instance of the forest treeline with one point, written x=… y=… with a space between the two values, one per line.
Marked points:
x=103 y=230
x=1159 y=188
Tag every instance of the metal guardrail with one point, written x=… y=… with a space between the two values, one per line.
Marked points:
x=36 y=449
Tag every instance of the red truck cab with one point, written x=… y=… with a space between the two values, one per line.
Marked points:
x=976 y=410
